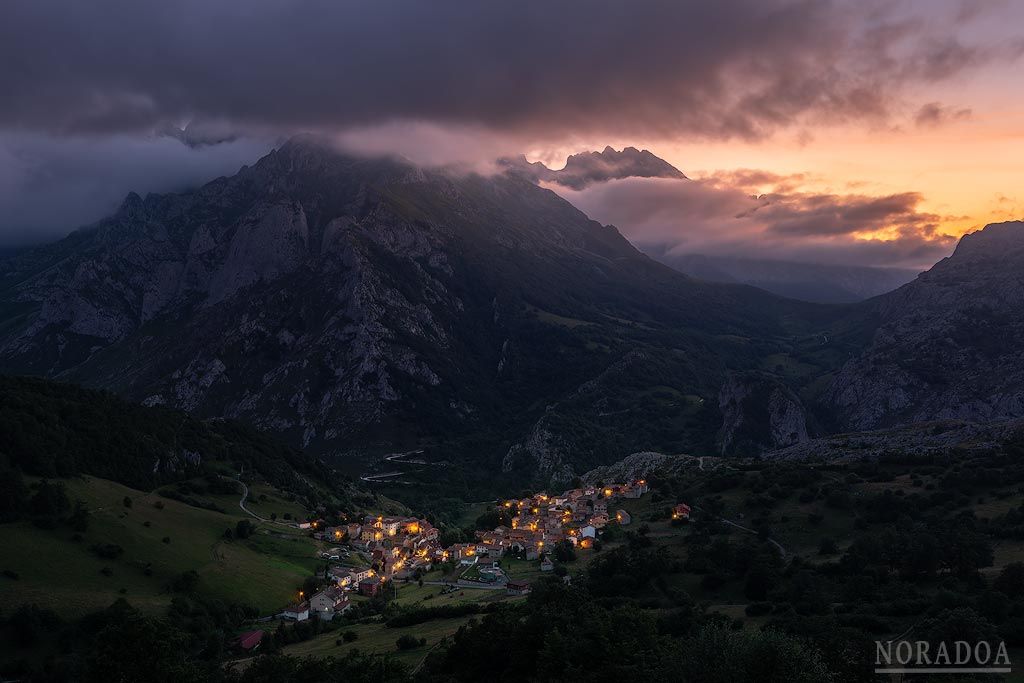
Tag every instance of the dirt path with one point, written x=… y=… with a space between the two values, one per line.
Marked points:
x=245 y=496
x=778 y=546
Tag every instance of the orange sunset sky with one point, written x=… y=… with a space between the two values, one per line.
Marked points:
x=867 y=132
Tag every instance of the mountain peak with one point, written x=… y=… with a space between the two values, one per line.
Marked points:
x=996 y=240
x=587 y=168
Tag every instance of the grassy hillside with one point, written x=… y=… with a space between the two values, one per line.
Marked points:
x=56 y=568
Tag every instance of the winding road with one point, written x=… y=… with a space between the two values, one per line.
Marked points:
x=245 y=496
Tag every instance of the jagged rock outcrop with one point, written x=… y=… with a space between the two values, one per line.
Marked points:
x=587 y=168
x=758 y=413
x=632 y=467
x=949 y=345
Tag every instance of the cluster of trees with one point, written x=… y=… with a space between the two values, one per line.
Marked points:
x=45 y=503
x=49 y=429
x=567 y=633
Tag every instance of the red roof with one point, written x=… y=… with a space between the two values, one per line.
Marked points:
x=250 y=639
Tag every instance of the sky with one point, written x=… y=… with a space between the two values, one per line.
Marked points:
x=865 y=132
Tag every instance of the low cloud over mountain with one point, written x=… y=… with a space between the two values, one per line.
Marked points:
x=727 y=214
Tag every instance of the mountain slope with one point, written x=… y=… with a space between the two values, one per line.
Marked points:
x=352 y=303
x=949 y=345
x=50 y=429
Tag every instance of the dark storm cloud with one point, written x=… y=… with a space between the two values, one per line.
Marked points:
x=50 y=186
x=730 y=68
x=721 y=215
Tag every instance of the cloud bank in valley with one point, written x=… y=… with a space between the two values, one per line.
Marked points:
x=727 y=214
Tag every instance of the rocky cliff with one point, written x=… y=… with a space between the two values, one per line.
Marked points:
x=949 y=345
x=759 y=413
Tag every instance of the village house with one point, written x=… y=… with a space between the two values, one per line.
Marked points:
x=546 y=565
x=517 y=588
x=348 y=576
x=390 y=525
x=329 y=602
x=340 y=576
x=635 y=489
x=465 y=553
x=370 y=586
x=298 y=611
x=681 y=511
x=623 y=517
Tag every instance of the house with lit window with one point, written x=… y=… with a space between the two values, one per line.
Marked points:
x=329 y=602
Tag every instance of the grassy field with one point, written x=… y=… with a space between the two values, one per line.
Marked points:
x=377 y=638
x=62 y=573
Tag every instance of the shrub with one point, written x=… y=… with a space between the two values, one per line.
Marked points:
x=407 y=642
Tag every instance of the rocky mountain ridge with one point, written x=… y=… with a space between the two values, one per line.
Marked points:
x=587 y=168
x=949 y=345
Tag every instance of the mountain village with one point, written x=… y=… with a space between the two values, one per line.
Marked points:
x=404 y=548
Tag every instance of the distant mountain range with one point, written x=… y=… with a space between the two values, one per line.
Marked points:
x=822 y=283
x=358 y=305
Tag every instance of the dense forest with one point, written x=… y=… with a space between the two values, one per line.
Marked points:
x=49 y=429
